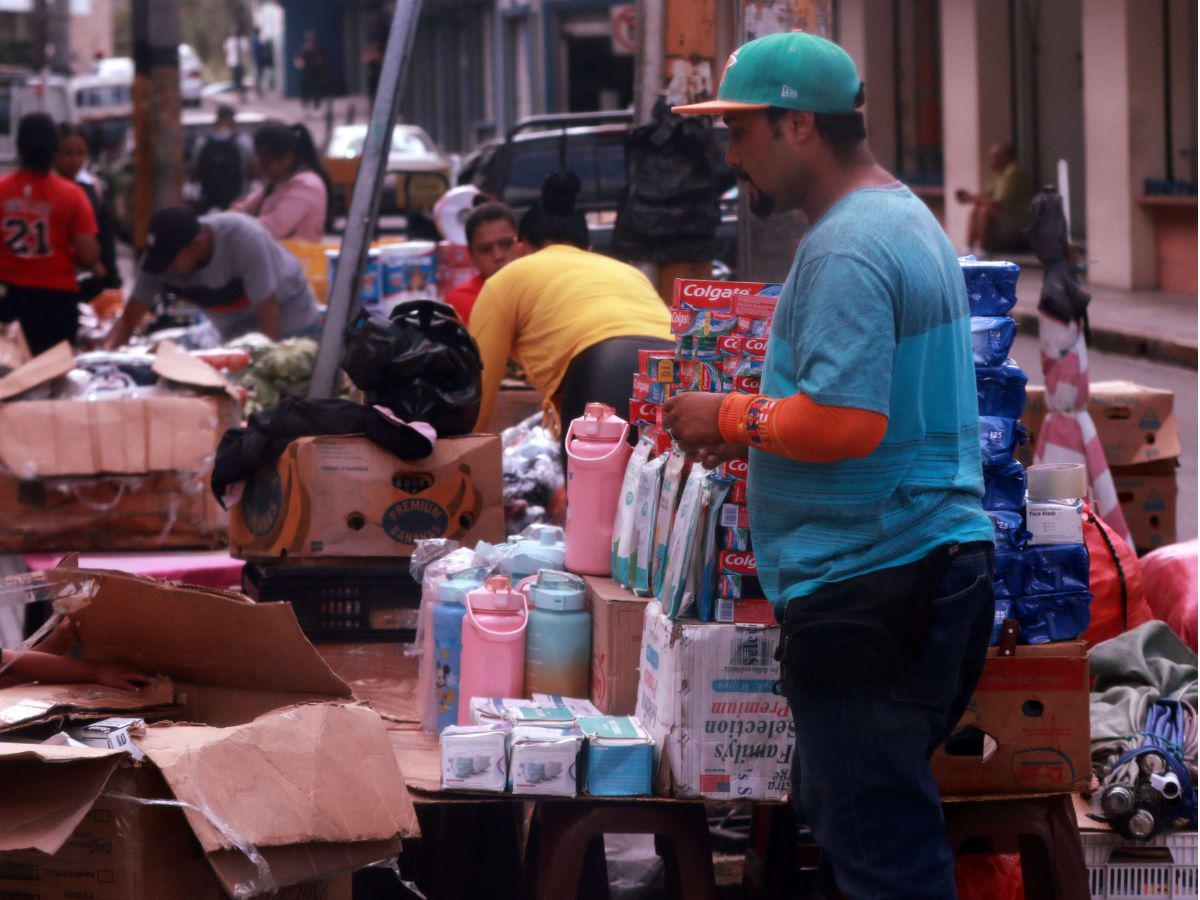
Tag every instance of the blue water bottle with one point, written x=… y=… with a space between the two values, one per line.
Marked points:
x=558 y=643
x=447 y=641
x=544 y=549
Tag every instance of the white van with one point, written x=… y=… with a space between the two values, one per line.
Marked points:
x=22 y=92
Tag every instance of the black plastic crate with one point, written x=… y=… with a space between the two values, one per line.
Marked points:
x=352 y=602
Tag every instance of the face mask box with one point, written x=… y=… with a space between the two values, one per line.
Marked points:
x=576 y=707
x=475 y=757
x=619 y=757
x=487 y=710
x=544 y=761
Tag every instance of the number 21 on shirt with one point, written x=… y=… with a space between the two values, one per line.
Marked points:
x=27 y=236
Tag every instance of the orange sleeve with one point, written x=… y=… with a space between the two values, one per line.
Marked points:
x=800 y=429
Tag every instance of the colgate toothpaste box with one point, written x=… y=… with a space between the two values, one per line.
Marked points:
x=739 y=345
x=745 y=611
x=702 y=323
x=643 y=412
x=646 y=388
x=657 y=365
x=735 y=468
x=662 y=440
x=690 y=348
x=734 y=538
x=694 y=293
x=744 y=384
x=737 y=493
x=735 y=515
x=759 y=305
x=738 y=574
x=753 y=326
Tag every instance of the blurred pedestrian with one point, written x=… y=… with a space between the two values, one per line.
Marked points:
x=999 y=215
x=264 y=62
x=311 y=63
x=237 y=55
x=71 y=163
x=222 y=162
x=48 y=230
x=293 y=201
x=493 y=243
x=373 y=60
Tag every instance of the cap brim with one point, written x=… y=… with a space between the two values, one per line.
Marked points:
x=716 y=108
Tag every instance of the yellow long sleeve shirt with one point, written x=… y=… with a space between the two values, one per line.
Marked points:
x=546 y=308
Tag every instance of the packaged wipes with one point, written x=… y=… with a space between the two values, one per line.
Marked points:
x=1004 y=486
x=645 y=509
x=668 y=499
x=999 y=438
x=622 y=545
x=685 y=533
x=1001 y=390
x=991 y=285
x=992 y=338
x=714 y=493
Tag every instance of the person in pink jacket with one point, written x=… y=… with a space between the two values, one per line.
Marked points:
x=293 y=201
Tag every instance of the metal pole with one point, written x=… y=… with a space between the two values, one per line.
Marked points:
x=364 y=203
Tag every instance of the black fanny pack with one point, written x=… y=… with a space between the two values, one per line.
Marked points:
x=864 y=630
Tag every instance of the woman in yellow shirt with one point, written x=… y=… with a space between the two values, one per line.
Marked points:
x=573 y=319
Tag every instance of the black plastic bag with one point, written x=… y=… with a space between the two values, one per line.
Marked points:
x=421 y=364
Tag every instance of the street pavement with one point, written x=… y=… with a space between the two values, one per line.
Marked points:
x=1181 y=380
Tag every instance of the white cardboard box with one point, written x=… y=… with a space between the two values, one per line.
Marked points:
x=705 y=694
x=475 y=757
x=544 y=761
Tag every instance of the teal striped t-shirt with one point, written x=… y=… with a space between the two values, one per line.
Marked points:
x=873 y=316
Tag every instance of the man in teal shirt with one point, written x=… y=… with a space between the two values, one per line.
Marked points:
x=865 y=479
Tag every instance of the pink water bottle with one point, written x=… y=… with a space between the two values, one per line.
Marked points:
x=493 y=644
x=597 y=454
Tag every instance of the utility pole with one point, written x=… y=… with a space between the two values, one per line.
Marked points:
x=157 y=128
x=60 y=36
x=39 y=35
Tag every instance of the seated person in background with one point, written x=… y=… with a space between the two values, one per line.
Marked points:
x=293 y=201
x=71 y=163
x=492 y=242
x=229 y=266
x=1001 y=213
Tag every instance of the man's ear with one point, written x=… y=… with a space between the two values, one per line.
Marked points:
x=800 y=126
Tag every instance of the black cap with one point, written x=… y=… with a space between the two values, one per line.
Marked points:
x=171 y=230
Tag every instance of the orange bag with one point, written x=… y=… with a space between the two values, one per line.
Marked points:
x=989 y=876
x=1119 y=602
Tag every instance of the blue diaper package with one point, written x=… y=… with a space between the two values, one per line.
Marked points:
x=1054 y=617
x=1003 y=611
x=1004 y=487
x=999 y=437
x=991 y=339
x=1001 y=390
x=991 y=286
x=1008 y=528
x=1008 y=574
x=1055 y=569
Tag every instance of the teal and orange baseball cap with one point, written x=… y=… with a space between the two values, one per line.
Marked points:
x=793 y=70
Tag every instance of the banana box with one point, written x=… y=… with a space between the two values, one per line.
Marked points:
x=347 y=497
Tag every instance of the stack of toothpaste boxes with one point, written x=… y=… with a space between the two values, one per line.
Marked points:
x=1040 y=580
x=721 y=330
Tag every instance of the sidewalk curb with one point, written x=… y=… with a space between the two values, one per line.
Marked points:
x=1126 y=343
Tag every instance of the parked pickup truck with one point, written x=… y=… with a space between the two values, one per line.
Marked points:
x=592 y=145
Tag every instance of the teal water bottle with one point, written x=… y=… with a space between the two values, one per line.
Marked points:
x=558 y=644
x=545 y=548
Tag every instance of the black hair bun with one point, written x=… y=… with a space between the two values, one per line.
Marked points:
x=559 y=191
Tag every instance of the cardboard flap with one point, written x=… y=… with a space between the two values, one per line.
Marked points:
x=48 y=790
x=198 y=635
x=323 y=772
x=174 y=364
x=296 y=864
x=54 y=363
x=22 y=705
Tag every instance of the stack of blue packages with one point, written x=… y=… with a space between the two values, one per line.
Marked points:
x=1045 y=588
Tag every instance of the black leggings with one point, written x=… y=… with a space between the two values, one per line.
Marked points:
x=603 y=373
x=47 y=317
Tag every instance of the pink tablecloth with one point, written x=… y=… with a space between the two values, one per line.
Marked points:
x=204 y=568
x=1169 y=578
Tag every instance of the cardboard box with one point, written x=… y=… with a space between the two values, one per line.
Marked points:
x=129 y=436
x=515 y=403
x=544 y=761
x=347 y=497
x=1136 y=424
x=1149 y=496
x=475 y=757
x=277 y=761
x=706 y=697
x=619 y=757
x=1027 y=730
x=158 y=511
x=617 y=617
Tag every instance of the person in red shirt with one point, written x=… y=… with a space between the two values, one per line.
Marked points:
x=492 y=242
x=47 y=230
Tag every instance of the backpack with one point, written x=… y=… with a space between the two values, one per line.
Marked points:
x=220 y=170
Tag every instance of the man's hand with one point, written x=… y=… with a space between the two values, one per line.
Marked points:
x=125 y=678
x=691 y=420
x=711 y=457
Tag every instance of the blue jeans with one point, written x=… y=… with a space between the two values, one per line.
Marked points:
x=860 y=774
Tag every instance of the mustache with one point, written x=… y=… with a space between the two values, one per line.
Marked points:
x=742 y=175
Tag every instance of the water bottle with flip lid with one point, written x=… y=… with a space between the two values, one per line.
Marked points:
x=543 y=549
x=597 y=454
x=558 y=645
x=445 y=635
x=493 y=644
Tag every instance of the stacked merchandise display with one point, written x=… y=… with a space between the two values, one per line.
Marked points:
x=1041 y=573
x=700 y=557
